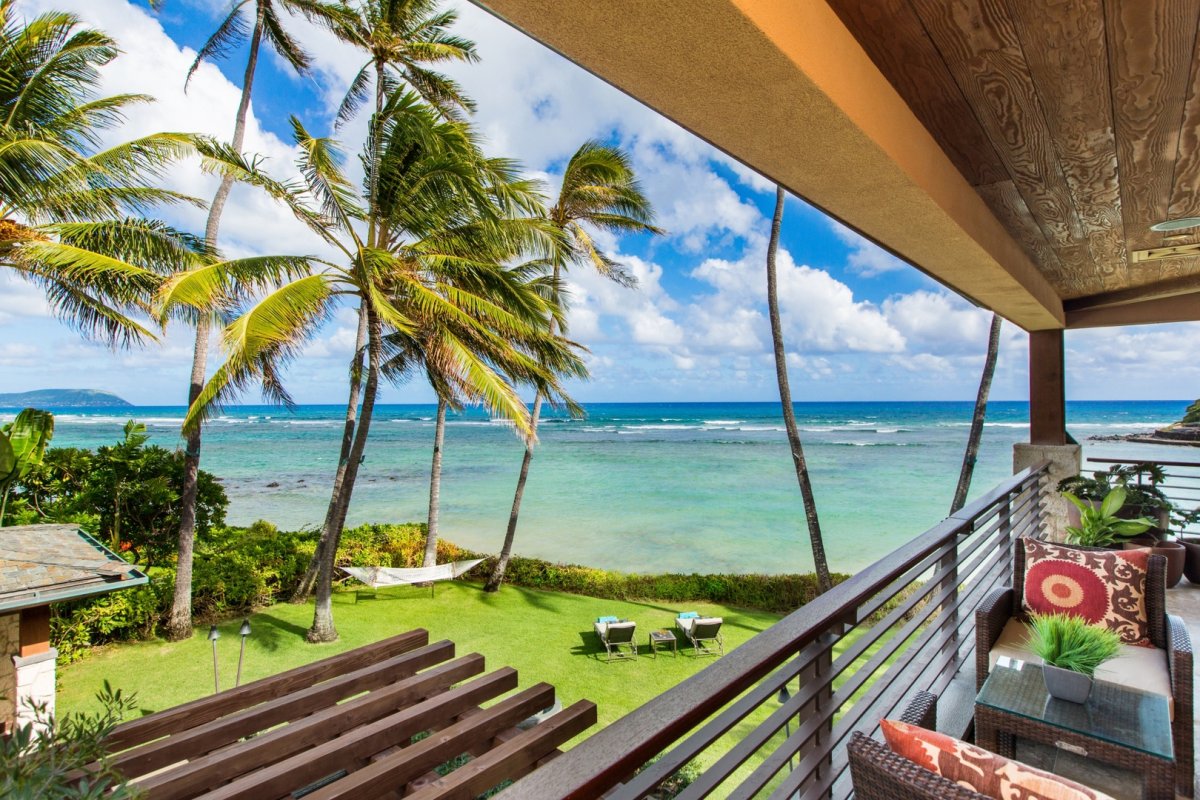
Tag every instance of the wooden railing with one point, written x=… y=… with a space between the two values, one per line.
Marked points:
x=1182 y=484
x=771 y=718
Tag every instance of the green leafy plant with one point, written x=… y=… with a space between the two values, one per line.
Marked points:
x=1071 y=642
x=22 y=446
x=1140 y=481
x=45 y=759
x=1100 y=526
x=1192 y=415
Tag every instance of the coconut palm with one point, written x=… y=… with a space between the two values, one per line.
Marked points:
x=234 y=31
x=530 y=354
x=72 y=212
x=820 y=562
x=599 y=190
x=980 y=413
x=431 y=175
x=404 y=39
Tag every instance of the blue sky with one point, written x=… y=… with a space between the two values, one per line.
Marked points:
x=859 y=324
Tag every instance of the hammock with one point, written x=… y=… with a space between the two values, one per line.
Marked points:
x=376 y=577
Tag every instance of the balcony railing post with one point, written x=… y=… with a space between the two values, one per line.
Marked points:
x=1006 y=537
x=819 y=671
x=948 y=618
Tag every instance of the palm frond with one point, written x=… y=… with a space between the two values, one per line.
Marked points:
x=228 y=36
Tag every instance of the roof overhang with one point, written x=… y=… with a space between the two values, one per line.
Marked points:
x=44 y=564
x=787 y=89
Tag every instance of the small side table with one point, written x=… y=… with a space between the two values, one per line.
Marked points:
x=1117 y=726
x=663 y=638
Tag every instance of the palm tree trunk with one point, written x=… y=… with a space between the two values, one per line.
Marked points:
x=824 y=582
x=981 y=399
x=435 y=485
x=497 y=576
x=333 y=511
x=322 y=629
x=179 y=622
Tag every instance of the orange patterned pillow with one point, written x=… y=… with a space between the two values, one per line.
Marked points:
x=1105 y=588
x=979 y=770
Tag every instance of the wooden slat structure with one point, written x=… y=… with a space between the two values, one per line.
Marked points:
x=401 y=717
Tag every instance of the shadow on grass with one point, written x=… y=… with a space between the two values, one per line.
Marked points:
x=271 y=636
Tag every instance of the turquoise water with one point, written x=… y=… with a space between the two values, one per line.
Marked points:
x=640 y=487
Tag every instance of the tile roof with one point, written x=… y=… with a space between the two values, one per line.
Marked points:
x=41 y=564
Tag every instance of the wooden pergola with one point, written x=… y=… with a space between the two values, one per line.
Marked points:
x=397 y=718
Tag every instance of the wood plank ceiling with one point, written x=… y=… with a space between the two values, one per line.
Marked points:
x=1076 y=121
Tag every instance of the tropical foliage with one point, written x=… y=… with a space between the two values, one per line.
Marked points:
x=44 y=761
x=126 y=493
x=1099 y=523
x=429 y=273
x=230 y=34
x=599 y=191
x=72 y=212
x=23 y=444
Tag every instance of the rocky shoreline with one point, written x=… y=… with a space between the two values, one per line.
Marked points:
x=1185 y=434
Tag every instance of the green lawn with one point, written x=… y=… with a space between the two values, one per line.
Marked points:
x=545 y=636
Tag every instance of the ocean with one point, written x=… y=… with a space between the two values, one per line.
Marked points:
x=640 y=487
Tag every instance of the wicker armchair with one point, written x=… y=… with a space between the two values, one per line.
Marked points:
x=880 y=774
x=1167 y=632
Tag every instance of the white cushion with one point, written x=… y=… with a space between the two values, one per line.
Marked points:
x=1143 y=668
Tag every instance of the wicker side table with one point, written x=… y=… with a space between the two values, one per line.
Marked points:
x=1121 y=727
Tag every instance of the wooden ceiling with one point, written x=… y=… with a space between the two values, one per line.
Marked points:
x=1076 y=121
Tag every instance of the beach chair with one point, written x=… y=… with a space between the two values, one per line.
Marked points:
x=703 y=632
x=615 y=635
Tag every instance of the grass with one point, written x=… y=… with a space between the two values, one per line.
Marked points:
x=546 y=636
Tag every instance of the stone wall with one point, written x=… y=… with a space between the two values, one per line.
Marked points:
x=1065 y=461
x=10 y=647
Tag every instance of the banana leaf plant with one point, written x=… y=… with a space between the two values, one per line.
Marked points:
x=1099 y=526
x=23 y=444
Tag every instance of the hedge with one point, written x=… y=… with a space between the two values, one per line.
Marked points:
x=240 y=569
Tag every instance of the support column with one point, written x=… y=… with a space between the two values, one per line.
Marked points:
x=10 y=648
x=1048 y=439
x=34 y=666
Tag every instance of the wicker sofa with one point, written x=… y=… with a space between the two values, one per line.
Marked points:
x=880 y=774
x=1166 y=669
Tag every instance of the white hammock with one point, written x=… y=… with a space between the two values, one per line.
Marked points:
x=396 y=576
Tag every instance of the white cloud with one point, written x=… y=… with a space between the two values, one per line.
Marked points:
x=939 y=320
x=866 y=258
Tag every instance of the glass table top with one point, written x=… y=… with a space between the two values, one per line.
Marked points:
x=1116 y=714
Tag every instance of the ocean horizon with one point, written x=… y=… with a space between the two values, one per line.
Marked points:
x=638 y=487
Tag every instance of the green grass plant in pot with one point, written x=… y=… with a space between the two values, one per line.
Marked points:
x=1099 y=526
x=1071 y=649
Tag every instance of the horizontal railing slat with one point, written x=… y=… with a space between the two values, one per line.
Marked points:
x=952 y=558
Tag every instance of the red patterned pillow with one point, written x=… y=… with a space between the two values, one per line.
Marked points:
x=979 y=770
x=1106 y=588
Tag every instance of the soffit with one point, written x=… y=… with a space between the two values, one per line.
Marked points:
x=1076 y=121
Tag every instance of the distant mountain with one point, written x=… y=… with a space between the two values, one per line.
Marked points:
x=63 y=398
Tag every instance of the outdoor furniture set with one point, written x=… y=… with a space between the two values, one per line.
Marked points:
x=703 y=633
x=1138 y=716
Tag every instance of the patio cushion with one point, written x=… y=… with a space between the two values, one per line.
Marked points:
x=980 y=770
x=1104 y=587
x=1143 y=668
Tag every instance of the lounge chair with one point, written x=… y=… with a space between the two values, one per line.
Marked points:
x=617 y=635
x=704 y=633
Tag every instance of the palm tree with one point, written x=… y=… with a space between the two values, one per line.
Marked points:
x=600 y=190
x=404 y=39
x=72 y=215
x=229 y=35
x=824 y=582
x=977 y=418
x=426 y=166
x=526 y=354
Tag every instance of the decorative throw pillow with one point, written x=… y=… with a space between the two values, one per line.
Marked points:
x=1106 y=588
x=979 y=770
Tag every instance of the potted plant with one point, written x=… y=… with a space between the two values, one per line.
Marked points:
x=1143 y=497
x=1100 y=525
x=1191 y=566
x=1071 y=649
